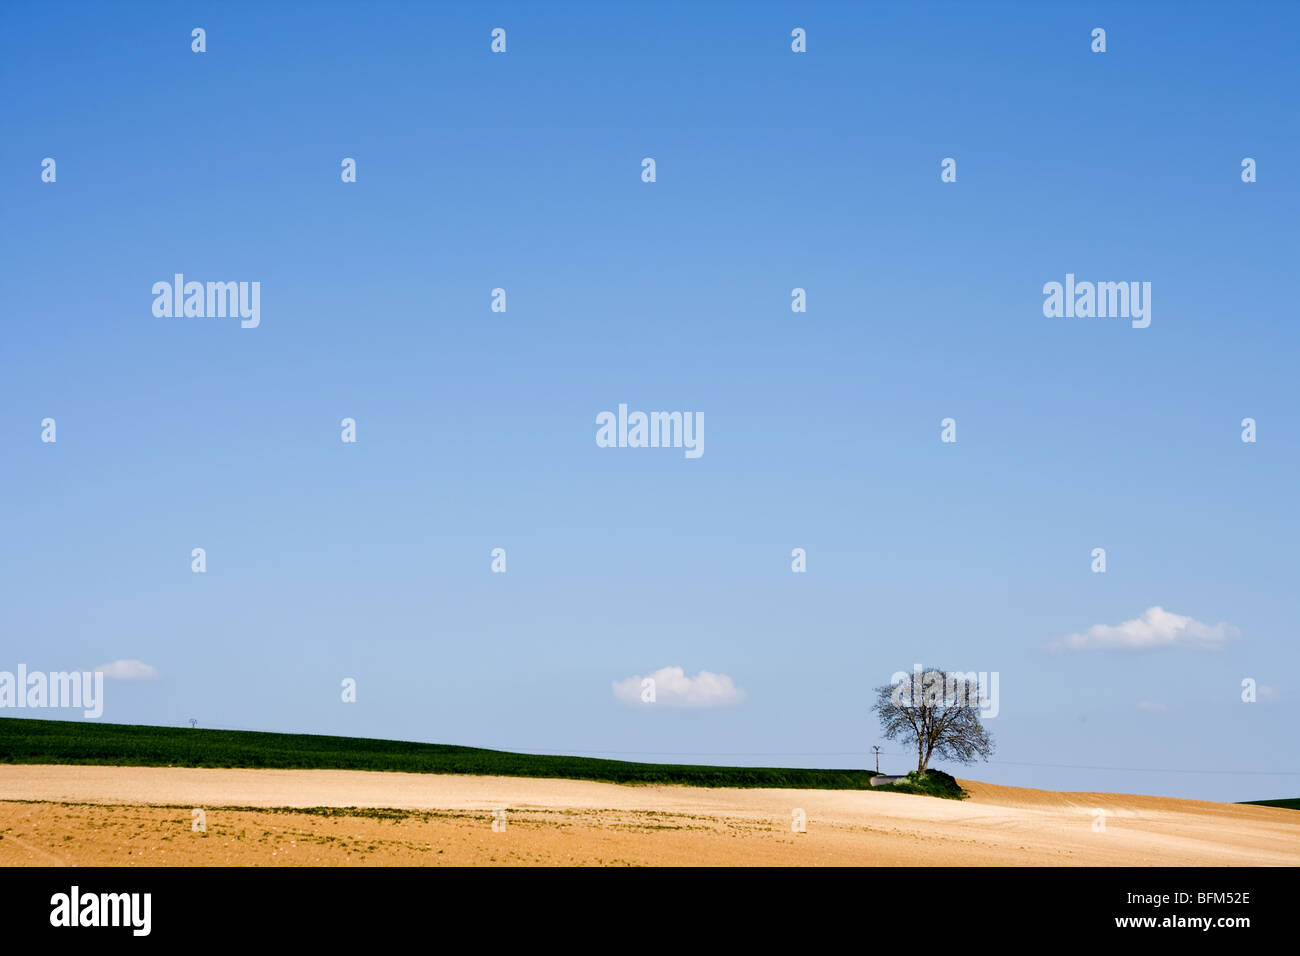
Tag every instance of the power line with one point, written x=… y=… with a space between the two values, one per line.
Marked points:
x=1071 y=766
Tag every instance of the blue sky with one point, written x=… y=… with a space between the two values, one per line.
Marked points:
x=476 y=429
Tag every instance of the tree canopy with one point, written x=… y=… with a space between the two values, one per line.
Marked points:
x=938 y=711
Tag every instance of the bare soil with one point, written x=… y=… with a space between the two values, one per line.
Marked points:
x=143 y=816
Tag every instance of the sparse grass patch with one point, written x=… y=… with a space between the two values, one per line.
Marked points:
x=931 y=783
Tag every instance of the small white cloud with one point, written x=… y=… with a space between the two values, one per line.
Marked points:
x=129 y=670
x=1151 y=706
x=1267 y=692
x=1156 y=629
x=674 y=689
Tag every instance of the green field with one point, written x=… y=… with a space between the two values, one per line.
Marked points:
x=59 y=741
x=1287 y=803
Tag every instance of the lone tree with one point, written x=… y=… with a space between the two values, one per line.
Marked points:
x=937 y=710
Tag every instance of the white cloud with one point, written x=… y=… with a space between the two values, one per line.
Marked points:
x=674 y=689
x=1156 y=629
x=129 y=670
x=1152 y=706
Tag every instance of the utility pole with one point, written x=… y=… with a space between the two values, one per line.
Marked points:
x=877 y=750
